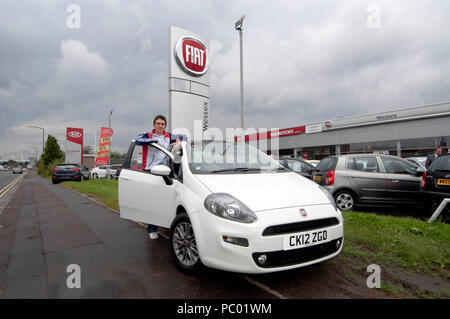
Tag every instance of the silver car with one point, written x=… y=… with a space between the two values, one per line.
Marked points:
x=369 y=179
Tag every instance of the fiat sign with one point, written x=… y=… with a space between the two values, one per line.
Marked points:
x=192 y=56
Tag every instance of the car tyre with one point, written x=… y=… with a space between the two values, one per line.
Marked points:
x=54 y=182
x=345 y=200
x=182 y=245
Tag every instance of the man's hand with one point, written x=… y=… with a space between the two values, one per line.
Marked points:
x=176 y=145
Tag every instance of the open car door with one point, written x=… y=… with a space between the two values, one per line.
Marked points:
x=145 y=197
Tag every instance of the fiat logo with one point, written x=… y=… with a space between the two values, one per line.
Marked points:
x=192 y=56
x=303 y=212
x=74 y=134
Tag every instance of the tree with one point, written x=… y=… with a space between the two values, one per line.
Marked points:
x=51 y=151
x=117 y=158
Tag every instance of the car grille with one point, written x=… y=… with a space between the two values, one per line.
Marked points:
x=300 y=226
x=297 y=256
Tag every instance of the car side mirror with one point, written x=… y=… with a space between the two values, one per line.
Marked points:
x=420 y=171
x=160 y=170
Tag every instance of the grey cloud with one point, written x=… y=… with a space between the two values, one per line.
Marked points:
x=304 y=61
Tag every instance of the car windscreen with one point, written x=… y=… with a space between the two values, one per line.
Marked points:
x=327 y=164
x=441 y=164
x=217 y=157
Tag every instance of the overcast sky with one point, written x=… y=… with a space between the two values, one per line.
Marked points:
x=304 y=61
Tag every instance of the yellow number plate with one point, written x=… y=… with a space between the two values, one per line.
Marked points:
x=317 y=178
x=444 y=182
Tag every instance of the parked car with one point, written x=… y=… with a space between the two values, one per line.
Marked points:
x=17 y=170
x=435 y=183
x=251 y=217
x=297 y=165
x=69 y=172
x=118 y=171
x=369 y=179
x=419 y=161
x=102 y=171
x=313 y=162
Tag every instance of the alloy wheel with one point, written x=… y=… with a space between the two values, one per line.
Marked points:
x=184 y=244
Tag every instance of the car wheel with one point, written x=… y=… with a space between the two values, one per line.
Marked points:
x=345 y=200
x=54 y=182
x=183 y=246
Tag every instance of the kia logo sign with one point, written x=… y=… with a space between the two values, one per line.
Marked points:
x=192 y=56
x=328 y=124
x=74 y=134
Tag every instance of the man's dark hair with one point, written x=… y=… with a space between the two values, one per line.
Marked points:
x=160 y=117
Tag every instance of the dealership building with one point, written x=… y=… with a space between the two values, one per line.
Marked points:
x=414 y=131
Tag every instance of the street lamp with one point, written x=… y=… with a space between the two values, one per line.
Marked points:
x=238 y=26
x=109 y=136
x=43 y=131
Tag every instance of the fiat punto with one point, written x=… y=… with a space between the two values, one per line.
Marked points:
x=229 y=206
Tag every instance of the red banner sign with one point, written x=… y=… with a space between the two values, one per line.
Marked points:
x=74 y=145
x=104 y=143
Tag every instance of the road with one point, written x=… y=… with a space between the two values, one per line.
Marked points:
x=45 y=228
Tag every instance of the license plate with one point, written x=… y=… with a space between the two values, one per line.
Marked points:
x=305 y=239
x=444 y=182
x=317 y=178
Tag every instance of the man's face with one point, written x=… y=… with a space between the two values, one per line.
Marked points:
x=439 y=151
x=159 y=126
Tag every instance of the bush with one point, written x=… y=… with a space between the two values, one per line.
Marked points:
x=46 y=171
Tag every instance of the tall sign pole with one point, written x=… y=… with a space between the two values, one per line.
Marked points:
x=238 y=26
x=188 y=81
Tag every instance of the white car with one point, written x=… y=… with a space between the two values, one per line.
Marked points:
x=231 y=207
x=419 y=161
x=102 y=171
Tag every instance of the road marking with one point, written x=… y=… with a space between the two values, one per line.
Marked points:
x=10 y=185
x=264 y=287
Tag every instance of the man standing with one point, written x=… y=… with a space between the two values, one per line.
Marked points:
x=432 y=157
x=151 y=156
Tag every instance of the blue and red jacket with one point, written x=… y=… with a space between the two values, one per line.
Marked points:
x=153 y=156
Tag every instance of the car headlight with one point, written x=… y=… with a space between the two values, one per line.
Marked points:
x=330 y=197
x=228 y=207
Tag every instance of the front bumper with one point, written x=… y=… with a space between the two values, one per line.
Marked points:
x=215 y=252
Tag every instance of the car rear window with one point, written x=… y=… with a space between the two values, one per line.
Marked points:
x=441 y=164
x=327 y=164
x=68 y=166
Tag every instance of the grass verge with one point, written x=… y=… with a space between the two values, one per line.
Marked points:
x=405 y=242
x=105 y=190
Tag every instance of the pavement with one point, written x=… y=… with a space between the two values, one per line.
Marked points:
x=47 y=228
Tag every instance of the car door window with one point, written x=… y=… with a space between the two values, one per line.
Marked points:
x=363 y=164
x=295 y=166
x=136 y=159
x=395 y=166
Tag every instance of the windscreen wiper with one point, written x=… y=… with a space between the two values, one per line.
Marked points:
x=237 y=169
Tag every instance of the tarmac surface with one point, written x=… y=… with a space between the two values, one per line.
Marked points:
x=47 y=228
